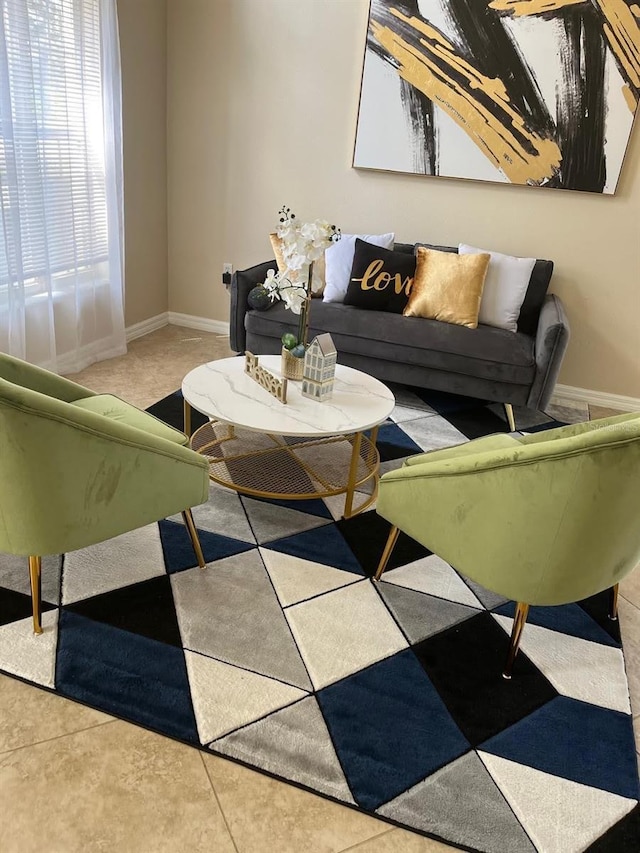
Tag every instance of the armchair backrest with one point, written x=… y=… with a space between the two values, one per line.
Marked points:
x=551 y=519
x=70 y=477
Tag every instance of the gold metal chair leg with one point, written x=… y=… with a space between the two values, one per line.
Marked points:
x=388 y=548
x=613 y=603
x=35 y=570
x=187 y=419
x=193 y=535
x=508 y=410
x=522 y=611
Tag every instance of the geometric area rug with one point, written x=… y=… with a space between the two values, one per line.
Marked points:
x=284 y=655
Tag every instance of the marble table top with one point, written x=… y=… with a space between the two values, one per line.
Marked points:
x=222 y=390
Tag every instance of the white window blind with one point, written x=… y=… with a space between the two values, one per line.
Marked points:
x=59 y=157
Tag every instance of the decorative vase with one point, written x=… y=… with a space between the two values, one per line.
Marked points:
x=292 y=367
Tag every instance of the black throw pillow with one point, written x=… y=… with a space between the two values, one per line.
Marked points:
x=380 y=279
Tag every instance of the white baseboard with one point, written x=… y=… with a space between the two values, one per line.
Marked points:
x=597 y=398
x=218 y=327
x=144 y=327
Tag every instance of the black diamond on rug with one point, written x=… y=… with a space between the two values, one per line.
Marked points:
x=284 y=655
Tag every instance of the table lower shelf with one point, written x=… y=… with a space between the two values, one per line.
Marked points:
x=274 y=466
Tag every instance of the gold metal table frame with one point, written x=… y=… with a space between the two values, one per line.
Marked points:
x=289 y=468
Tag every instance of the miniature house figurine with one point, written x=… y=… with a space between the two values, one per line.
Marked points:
x=319 y=368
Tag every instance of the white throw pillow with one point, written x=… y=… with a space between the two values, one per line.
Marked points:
x=504 y=288
x=338 y=260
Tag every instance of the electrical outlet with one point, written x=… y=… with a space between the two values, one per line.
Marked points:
x=227 y=268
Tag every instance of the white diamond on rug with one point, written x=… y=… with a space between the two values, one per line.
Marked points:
x=226 y=697
x=421 y=615
x=14 y=574
x=462 y=803
x=230 y=611
x=271 y=521
x=121 y=561
x=29 y=655
x=223 y=513
x=293 y=743
x=433 y=432
x=343 y=631
x=559 y=816
x=295 y=579
x=578 y=668
x=435 y=577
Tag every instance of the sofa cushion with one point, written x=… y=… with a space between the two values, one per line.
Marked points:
x=447 y=287
x=504 y=287
x=338 y=260
x=483 y=352
x=534 y=297
x=381 y=279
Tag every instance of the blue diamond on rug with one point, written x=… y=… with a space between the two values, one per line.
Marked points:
x=325 y=544
x=574 y=740
x=125 y=674
x=178 y=550
x=390 y=728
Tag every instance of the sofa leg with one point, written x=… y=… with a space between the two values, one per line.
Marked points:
x=388 y=548
x=193 y=535
x=35 y=569
x=508 y=410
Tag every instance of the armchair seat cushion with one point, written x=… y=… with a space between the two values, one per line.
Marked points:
x=116 y=409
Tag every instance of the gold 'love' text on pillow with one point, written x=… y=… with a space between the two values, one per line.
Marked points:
x=377 y=278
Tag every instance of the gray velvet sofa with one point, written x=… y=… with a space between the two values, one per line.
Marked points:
x=515 y=368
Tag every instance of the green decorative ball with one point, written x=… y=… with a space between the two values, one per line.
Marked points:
x=289 y=340
x=259 y=299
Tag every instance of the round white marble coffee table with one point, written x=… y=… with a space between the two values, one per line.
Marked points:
x=295 y=450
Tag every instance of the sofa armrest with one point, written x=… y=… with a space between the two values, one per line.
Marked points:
x=552 y=338
x=242 y=282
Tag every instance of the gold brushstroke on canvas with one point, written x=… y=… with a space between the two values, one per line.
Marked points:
x=522 y=155
x=630 y=98
x=622 y=31
x=531 y=7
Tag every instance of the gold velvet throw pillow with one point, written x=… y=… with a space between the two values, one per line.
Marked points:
x=317 y=285
x=447 y=287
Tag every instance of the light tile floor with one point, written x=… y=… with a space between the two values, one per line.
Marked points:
x=74 y=779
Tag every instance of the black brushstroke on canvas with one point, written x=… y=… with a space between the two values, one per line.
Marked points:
x=581 y=102
x=485 y=42
x=381 y=13
x=420 y=114
x=489 y=46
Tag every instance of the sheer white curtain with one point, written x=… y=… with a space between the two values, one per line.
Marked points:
x=61 y=212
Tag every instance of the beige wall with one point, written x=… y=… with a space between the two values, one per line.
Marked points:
x=143 y=41
x=262 y=102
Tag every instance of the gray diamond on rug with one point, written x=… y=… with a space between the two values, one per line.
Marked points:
x=14 y=574
x=222 y=513
x=434 y=432
x=230 y=611
x=271 y=521
x=420 y=615
x=305 y=751
x=488 y=598
x=462 y=803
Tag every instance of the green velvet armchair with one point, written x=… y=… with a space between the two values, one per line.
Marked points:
x=77 y=468
x=543 y=519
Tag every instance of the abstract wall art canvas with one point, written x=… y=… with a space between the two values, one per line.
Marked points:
x=532 y=92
